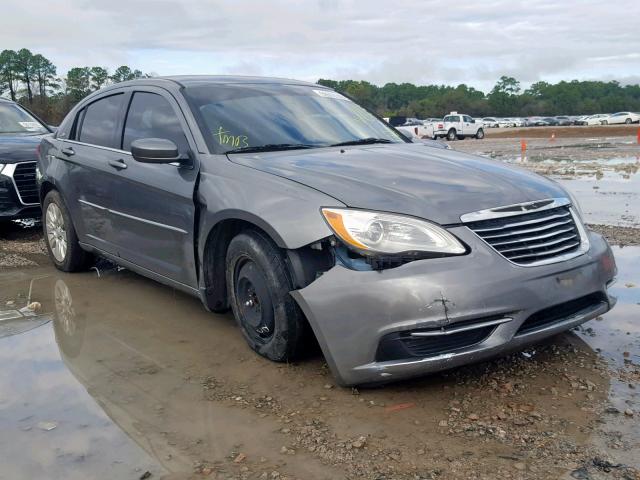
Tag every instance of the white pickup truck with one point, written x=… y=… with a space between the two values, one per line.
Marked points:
x=412 y=127
x=460 y=126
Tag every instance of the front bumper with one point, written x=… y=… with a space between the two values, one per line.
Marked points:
x=351 y=311
x=11 y=207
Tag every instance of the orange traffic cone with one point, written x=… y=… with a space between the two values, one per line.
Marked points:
x=553 y=136
x=523 y=144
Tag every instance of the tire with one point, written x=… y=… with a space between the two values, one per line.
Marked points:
x=461 y=137
x=480 y=134
x=628 y=121
x=604 y=122
x=60 y=236
x=451 y=135
x=259 y=283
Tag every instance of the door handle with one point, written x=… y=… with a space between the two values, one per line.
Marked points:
x=68 y=151
x=119 y=164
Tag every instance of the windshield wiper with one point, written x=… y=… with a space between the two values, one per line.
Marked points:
x=271 y=147
x=362 y=141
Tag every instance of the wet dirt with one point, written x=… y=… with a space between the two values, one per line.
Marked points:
x=117 y=376
x=137 y=377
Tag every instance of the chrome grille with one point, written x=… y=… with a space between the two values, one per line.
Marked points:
x=24 y=177
x=532 y=238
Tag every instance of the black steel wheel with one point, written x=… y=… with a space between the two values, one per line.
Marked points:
x=259 y=282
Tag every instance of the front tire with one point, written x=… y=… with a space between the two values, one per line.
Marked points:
x=60 y=235
x=451 y=135
x=480 y=134
x=259 y=283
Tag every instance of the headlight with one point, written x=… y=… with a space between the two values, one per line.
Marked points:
x=385 y=233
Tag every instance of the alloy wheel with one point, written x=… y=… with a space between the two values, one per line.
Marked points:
x=56 y=232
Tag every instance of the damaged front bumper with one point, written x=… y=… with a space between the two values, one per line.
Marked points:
x=435 y=314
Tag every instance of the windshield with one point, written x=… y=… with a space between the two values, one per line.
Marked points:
x=240 y=117
x=15 y=120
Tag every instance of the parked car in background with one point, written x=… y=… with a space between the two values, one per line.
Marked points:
x=458 y=126
x=621 y=117
x=551 y=121
x=20 y=136
x=535 y=122
x=490 y=122
x=592 y=119
x=563 y=120
x=505 y=123
x=518 y=122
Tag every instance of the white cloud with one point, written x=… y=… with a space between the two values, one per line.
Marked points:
x=404 y=40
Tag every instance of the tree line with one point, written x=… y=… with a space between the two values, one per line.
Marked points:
x=32 y=80
x=506 y=98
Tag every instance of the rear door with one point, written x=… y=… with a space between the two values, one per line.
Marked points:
x=155 y=202
x=469 y=125
x=91 y=184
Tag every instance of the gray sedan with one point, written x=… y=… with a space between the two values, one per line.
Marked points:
x=309 y=217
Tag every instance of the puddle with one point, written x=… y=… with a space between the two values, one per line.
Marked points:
x=124 y=376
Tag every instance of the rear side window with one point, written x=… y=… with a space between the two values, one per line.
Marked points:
x=452 y=118
x=101 y=121
x=151 y=116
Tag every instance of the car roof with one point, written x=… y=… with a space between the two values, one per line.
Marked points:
x=187 y=80
x=6 y=100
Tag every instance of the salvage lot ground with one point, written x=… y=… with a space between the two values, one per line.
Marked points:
x=110 y=375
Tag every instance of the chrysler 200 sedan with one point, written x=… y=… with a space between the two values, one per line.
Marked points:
x=307 y=216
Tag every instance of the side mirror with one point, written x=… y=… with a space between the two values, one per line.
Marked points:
x=155 y=150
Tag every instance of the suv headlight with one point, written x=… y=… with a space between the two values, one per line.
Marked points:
x=372 y=233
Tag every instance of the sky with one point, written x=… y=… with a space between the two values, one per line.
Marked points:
x=418 y=41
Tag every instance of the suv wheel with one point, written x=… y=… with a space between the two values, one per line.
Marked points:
x=480 y=134
x=60 y=235
x=451 y=135
x=259 y=283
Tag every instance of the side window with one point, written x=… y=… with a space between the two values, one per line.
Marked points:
x=151 y=116
x=101 y=121
x=468 y=119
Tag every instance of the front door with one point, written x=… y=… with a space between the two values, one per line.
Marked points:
x=155 y=209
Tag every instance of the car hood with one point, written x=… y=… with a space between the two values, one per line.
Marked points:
x=413 y=179
x=19 y=148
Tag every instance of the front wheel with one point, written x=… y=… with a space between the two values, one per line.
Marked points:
x=480 y=134
x=451 y=135
x=259 y=283
x=60 y=236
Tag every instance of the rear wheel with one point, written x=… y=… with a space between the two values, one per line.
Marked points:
x=60 y=235
x=480 y=134
x=628 y=121
x=604 y=122
x=451 y=135
x=259 y=283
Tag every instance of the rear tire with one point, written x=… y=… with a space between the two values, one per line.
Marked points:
x=451 y=135
x=60 y=236
x=604 y=122
x=480 y=134
x=628 y=121
x=259 y=283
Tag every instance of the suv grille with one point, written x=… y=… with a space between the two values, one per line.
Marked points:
x=531 y=237
x=25 y=179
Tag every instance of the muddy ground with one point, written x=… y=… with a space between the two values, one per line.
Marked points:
x=106 y=374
